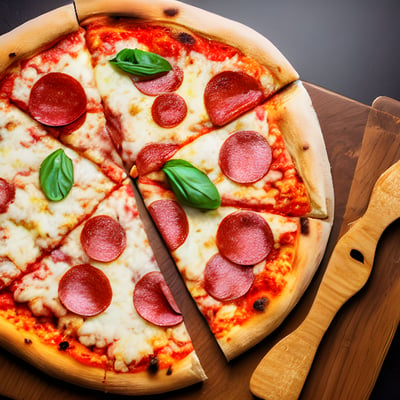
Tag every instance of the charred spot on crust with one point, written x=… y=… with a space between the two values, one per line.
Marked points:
x=186 y=38
x=304 y=226
x=171 y=12
x=261 y=304
x=306 y=146
x=27 y=341
x=12 y=55
x=169 y=370
x=63 y=345
x=153 y=365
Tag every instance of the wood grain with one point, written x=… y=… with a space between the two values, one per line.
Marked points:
x=282 y=372
x=353 y=350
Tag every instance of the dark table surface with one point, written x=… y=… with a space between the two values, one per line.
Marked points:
x=351 y=47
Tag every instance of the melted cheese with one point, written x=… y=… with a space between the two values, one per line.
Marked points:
x=76 y=63
x=203 y=153
x=8 y=272
x=119 y=328
x=200 y=244
x=132 y=109
x=32 y=222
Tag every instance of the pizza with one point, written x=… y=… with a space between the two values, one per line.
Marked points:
x=246 y=264
x=130 y=113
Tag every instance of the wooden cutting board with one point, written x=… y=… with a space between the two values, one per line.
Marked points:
x=349 y=361
x=343 y=122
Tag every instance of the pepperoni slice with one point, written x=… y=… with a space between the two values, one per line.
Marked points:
x=103 y=239
x=168 y=110
x=225 y=280
x=171 y=221
x=244 y=238
x=245 y=157
x=154 y=302
x=85 y=290
x=153 y=156
x=230 y=94
x=57 y=99
x=7 y=195
x=168 y=82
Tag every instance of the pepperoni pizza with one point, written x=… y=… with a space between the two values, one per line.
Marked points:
x=207 y=122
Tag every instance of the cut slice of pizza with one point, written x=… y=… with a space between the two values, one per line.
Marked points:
x=98 y=312
x=46 y=190
x=272 y=158
x=79 y=286
x=57 y=88
x=244 y=269
x=246 y=211
x=162 y=82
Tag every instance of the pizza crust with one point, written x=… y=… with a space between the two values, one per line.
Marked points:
x=201 y=21
x=311 y=248
x=303 y=138
x=30 y=37
x=62 y=366
x=293 y=111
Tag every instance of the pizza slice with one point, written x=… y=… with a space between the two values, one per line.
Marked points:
x=272 y=158
x=81 y=295
x=46 y=190
x=244 y=269
x=162 y=82
x=57 y=88
x=98 y=312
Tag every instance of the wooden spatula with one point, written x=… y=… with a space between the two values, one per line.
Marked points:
x=282 y=372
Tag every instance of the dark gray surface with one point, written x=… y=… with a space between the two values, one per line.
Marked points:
x=351 y=47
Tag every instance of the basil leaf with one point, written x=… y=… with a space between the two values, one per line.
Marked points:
x=191 y=186
x=56 y=175
x=139 y=62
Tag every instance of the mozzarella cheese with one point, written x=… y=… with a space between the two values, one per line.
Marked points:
x=126 y=335
x=132 y=109
x=32 y=222
x=76 y=62
x=203 y=153
x=200 y=244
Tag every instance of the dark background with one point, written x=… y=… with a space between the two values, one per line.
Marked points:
x=351 y=47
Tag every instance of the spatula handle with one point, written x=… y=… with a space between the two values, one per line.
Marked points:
x=282 y=372
x=286 y=365
x=291 y=360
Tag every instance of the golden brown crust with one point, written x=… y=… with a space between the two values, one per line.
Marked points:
x=292 y=110
x=311 y=248
x=201 y=21
x=54 y=362
x=303 y=139
x=36 y=35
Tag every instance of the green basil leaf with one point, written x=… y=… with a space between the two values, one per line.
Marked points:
x=191 y=186
x=139 y=62
x=56 y=175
